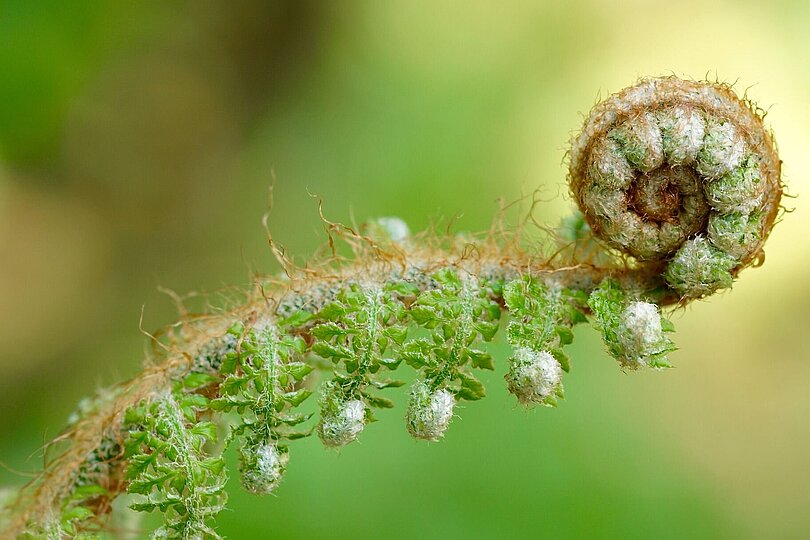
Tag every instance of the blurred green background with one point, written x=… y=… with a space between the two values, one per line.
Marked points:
x=137 y=144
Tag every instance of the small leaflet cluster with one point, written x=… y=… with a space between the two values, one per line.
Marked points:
x=541 y=321
x=262 y=386
x=358 y=329
x=633 y=331
x=169 y=465
x=459 y=314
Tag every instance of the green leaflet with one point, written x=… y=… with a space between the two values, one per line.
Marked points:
x=263 y=386
x=170 y=467
x=357 y=331
x=459 y=315
x=362 y=335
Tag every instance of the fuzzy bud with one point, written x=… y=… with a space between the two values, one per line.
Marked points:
x=429 y=414
x=641 y=334
x=341 y=420
x=736 y=233
x=633 y=330
x=534 y=377
x=682 y=132
x=699 y=268
x=739 y=190
x=391 y=229
x=609 y=167
x=640 y=139
x=723 y=149
x=262 y=467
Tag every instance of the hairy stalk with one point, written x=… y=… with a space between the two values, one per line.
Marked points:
x=679 y=186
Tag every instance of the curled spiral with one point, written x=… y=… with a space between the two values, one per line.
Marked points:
x=680 y=172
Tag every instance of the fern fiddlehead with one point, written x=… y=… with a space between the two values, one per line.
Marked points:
x=682 y=172
x=679 y=186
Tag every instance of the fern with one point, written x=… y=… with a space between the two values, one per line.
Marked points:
x=679 y=185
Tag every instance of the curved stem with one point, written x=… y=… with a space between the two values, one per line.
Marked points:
x=305 y=291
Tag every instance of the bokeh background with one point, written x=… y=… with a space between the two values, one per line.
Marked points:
x=137 y=144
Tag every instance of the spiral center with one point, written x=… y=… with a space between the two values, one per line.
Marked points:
x=656 y=196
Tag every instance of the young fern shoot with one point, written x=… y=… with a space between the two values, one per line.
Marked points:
x=678 y=183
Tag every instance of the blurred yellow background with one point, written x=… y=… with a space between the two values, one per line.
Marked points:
x=137 y=144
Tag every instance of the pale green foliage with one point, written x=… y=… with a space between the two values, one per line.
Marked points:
x=170 y=467
x=640 y=141
x=739 y=190
x=682 y=132
x=609 y=167
x=250 y=382
x=735 y=233
x=667 y=178
x=723 y=149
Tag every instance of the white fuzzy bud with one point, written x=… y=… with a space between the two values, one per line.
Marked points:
x=641 y=333
x=263 y=467
x=698 y=268
x=429 y=414
x=736 y=234
x=682 y=132
x=740 y=190
x=609 y=166
x=607 y=203
x=723 y=149
x=534 y=377
x=341 y=421
x=640 y=139
x=390 y=229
